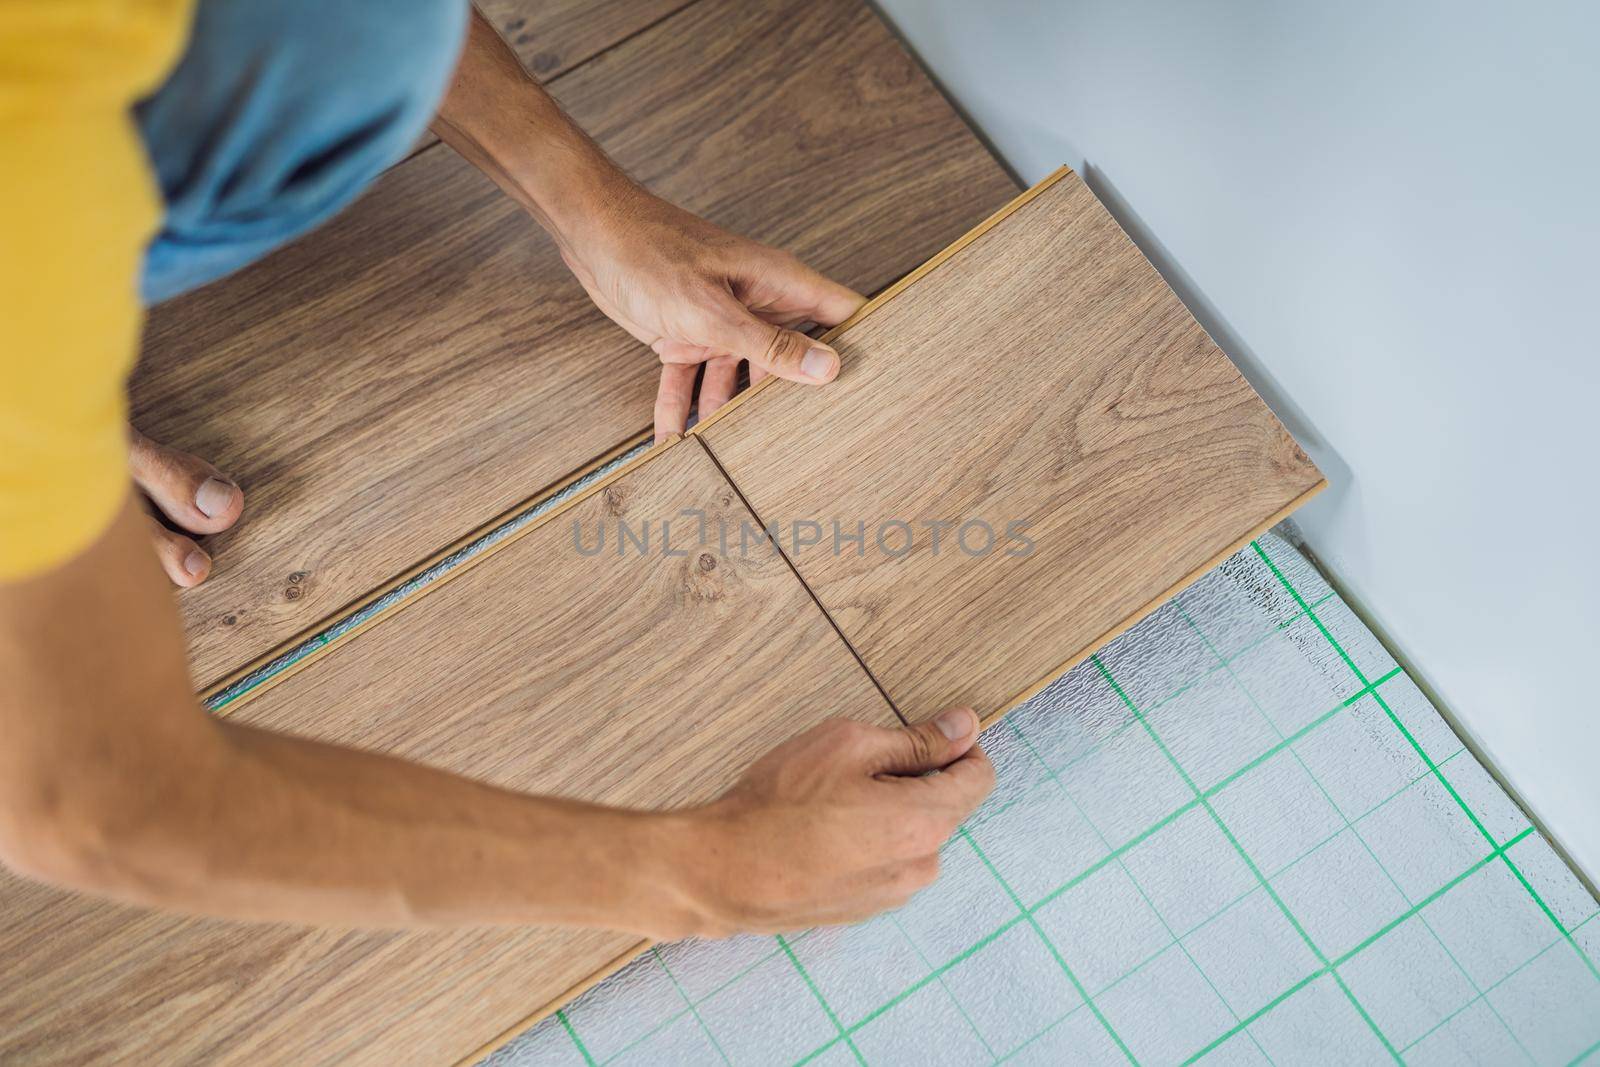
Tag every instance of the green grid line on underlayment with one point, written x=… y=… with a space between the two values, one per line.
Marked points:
x=1177 y=938
x=1295 y=755
x=1288 y=741
x=1249 y=863
x=937 y=972
x=1113 y=856
x=1412 y=741
x=1200 y=800
x=1026 y=912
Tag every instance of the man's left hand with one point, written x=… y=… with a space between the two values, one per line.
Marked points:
x=696 y=293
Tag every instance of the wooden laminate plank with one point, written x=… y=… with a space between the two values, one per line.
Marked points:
x=424 y=363
x=1044 y=374
x=553 y=36
x=634 y=679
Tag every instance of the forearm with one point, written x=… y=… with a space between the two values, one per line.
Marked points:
x=282 y=828
x=113 y=780
x=500 y=118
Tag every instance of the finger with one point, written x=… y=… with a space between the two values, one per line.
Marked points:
x=717 y=385
x=183 y=560
x=958 y=787
x=925 y=746
x=824 y=301
x=187 y=489
x=670 y=351
x=786 y=353
x=674 y=398
x=758 y=374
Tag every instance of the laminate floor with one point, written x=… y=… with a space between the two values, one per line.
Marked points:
x=402 y=378
x=632 y=678
x=1046 y=397
x=423 y=364
x=553 y=37
x=649 y=669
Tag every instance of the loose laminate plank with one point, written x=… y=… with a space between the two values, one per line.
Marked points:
x=638 y=679
x=424 y=363
x=1044 y=373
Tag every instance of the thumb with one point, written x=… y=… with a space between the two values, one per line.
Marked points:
x=786 y=353
x=928 y=745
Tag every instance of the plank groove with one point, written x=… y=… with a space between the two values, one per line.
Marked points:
x=524 y=670
x=551 y=38
x=424 y=363
x=1043 y=375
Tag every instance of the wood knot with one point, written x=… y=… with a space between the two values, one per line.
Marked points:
x=614 y=499
x=704 y=577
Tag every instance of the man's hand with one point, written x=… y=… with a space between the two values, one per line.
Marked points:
x=833 y=826
x=691 y=291
x=697 y=294
x=113 y=780
x=190 y=492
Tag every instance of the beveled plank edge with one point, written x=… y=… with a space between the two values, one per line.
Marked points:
x=905 y=282
x=637 y=439
x=435 y=558
x=550 y=1007
x=611 y=967
x=628 y=955
x=1028 y=693
x=428 y=139
x=822 y=608
x=984 y=722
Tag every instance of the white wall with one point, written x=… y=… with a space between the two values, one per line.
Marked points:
x=1386 y=213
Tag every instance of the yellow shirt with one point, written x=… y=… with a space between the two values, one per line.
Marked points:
x=77 y=205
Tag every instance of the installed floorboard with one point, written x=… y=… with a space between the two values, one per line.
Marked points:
x=638 y=679
x=553 y=36
x=1043 y=374
x=407 y=374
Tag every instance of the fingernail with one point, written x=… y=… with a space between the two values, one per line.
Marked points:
x=955 y=723
x=195 y=563
x=214 y=496
x=818 y=364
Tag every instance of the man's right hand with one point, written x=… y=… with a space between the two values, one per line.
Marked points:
x=115 y=781
x=834 y=826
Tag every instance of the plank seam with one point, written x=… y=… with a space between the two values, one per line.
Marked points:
x=798 y=577
x=863 y=312
x=352 y=607
x=867 y=309
x=939 y=258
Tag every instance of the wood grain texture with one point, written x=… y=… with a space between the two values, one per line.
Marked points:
x=1044 y=374
x=553 y=36
x=424 y=363
x=636 y=679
